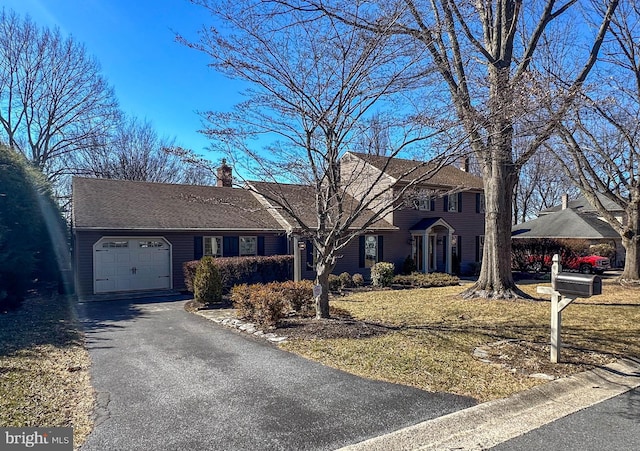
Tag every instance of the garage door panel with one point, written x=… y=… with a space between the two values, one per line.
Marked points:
x=132 y=264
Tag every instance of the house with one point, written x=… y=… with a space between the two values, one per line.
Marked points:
x=131 y=236
x=575 y=220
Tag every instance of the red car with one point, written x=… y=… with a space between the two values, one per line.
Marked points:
x=587 y=264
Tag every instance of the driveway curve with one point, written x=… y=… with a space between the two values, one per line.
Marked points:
x=170 y=380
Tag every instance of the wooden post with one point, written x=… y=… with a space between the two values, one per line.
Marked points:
x=558 y=303
x=297 y=259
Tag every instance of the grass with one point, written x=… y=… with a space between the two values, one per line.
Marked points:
x=431 y=335
x=44 y=368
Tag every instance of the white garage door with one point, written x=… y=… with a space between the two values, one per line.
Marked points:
x=128 y=264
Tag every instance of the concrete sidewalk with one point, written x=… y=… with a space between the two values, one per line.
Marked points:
x=489 y=424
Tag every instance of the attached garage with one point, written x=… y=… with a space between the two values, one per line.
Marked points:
x=131 y=264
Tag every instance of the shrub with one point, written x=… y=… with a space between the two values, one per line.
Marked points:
x=358 y=280
x=345 y=280
x=207 y=285
x=249 y=270
x=382 y=274
x=266 y=304
x=335 y=283
x=409 y=265
x=241 y=299
x=420 y=280
x=298 y=296
x=603 y=250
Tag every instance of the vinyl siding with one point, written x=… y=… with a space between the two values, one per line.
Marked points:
x=182 y=250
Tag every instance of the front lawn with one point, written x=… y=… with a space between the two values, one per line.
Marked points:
x=44 y=368
x=434 y=340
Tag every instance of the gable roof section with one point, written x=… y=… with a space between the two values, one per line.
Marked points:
x=128 y=205
x=447 y=177
x=565 y=224
x=301 y=199
x=581 y=204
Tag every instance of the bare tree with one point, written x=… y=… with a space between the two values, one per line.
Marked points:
x=601 y=139
x=314 y=84
x=490 y=56
x=540 y=186
x=53 y=99
x=135 y=151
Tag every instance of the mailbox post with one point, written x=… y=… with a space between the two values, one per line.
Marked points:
x=565 y=288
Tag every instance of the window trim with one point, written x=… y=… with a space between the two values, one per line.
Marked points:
x=452 y=207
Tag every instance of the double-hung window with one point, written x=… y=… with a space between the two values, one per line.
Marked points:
x=212 y=246
x=248 y=245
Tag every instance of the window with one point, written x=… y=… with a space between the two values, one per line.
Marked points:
x=213 y=246
x=453 y=202
x=370 y=250
x=423 y=204
x=248 y=245
x=115 y=244
x=149 y=244
x=480 y=203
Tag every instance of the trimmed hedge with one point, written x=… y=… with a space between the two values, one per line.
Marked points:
x=420 y=280
x=266 y=304
x=207 y=285
x=249 y=270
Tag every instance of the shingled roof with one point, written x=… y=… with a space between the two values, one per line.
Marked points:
x=301 y=199
x=128 y=205
x=565 y=224
x=581 y=204
x=447 y=176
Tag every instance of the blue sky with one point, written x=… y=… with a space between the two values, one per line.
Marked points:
x=154 y=77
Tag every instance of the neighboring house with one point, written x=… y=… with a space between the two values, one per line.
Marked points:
x=130 y=236
x=577 y=220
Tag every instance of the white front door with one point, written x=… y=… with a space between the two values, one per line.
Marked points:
x=127 y=264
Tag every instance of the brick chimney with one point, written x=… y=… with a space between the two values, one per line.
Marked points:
x=224 y=175
x=565 y=201
x=464 y=166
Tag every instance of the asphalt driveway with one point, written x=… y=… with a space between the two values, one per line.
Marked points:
x=167 y=379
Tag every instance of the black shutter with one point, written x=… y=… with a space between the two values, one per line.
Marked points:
x=446 y=203
x=477 y=202
x=477 y=248
x=361 y=260
x=197 y=247
x=231 y=246
x=459 y=250
x=433 y=204
x=459 y=202
x=380 y=252
x=260 y=245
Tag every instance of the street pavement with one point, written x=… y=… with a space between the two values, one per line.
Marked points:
x=170 y=380
x=610 y=425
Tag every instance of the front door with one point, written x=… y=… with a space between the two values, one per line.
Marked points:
x=418 y=252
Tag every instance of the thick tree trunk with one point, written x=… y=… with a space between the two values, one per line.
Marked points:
x=631 y=243
x=496 y=280
x=322 y=278
x=631 y=270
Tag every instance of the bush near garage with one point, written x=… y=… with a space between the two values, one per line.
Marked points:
x=207 y=284
x=266 y=304
x=249 y=270
x=420 y=280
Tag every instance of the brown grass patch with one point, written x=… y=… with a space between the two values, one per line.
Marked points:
x=430 y=336
x=44 y=368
